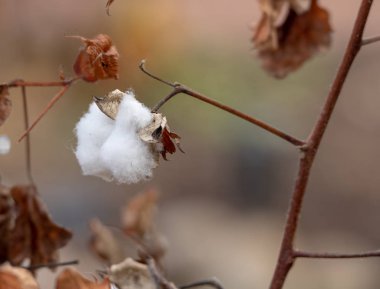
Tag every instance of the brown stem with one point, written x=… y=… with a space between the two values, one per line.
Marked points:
x=50 y=265
x=180 y=88
x=301 y=254
x=46 y=109
x=27 y=142
x=370 y=40
x=287 y=256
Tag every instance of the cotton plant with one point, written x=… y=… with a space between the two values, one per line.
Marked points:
x=120 y=139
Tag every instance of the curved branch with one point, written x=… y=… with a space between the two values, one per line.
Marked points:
x=180 y=88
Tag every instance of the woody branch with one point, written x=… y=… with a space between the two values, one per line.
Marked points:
x=180 y=88
x=287 y=253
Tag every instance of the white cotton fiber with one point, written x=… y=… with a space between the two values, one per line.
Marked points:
x=112 y=149
x=124 y=153
x=92 y=131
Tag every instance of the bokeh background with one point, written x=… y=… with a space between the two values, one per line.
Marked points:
x=223 y=203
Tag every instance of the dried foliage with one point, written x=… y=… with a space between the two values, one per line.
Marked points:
x=16 y=278
x=28 y=231
x=289 y=33
x=130 y=274
x=5 y=104
x=98 y=59
x=138 y=221
x=104 y=243
x=72 y=279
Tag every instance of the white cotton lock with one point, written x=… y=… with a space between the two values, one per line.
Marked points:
x=5 y=144
x=112 y=149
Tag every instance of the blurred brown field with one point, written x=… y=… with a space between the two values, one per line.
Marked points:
x=223 y=202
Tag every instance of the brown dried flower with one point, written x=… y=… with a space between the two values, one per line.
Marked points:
x=289 y=33
x=98 y=59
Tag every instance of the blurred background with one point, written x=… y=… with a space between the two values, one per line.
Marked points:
x=223 y=203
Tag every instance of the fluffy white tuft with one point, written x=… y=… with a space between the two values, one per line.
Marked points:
x=112 y=149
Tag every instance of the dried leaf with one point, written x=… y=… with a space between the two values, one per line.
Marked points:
x=7 y=218
x=109 y=2
x=72 y=279
x=104 y=243
x=98 y=59
x=158 y=134
x=287 y=35
x=34 y=235
x=109 y=104
x=5 y=104
x=16 y=278
x=138 y=221
x=130 y=274
x=137 y=216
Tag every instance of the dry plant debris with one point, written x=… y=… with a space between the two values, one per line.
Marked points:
x=72 y=279
x=104 y=243
x=289 y=33
x=5 y=104
x=28 y=233
x=97 y=59
x=130 y=274
x=16 y=278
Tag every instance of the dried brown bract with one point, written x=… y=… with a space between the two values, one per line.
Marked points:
x=28 y=231
x=159 y=135
x=5 y=104
x=72 y=279
x=289 y=33
x=109 y=104
x=16 y=278
x=98 y=59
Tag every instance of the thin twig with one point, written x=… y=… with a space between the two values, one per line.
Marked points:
x=27 y=141
x=311 y=255
x=180 y=88
x=20 y=83
x=52 y=265
x=213 y=282
x=45 y=110
x=286 y=256
x=370 y=40
x=143 y=69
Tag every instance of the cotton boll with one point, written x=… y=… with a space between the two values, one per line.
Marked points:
x=92 y=131
x=124 y=153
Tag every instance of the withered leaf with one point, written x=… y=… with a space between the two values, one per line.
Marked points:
x=34 y=236
x=109 y=2
x=109 y=104
x=285 y=40
x=72 y=279
x=104 y=243
x=98 y=59
x=130 y=274
x=5 y=104
x=137 y=216
x=16 y=278
x=7 y=218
